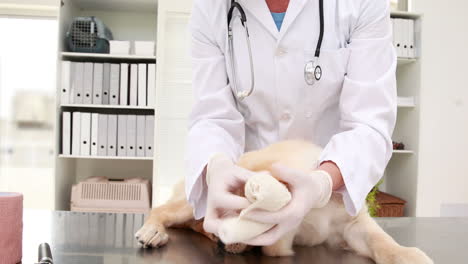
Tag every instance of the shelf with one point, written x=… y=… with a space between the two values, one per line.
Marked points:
x=103 y=157
x=405 y=14
x=146 y=6
x=402 y=105
x=106 y=57
x=405 y=61
x=107 y=106
x=399 y=151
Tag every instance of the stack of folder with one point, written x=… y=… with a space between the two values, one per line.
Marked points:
x=96 y=134
x=403 y=37
x=108 y=83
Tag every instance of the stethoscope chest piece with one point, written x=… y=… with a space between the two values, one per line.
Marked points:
x=312 y=72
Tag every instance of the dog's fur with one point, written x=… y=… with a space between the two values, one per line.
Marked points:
x=331 y=224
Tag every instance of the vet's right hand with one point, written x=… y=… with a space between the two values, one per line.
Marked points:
x=223 y=177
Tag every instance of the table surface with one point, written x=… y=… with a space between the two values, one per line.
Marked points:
x=106 y=238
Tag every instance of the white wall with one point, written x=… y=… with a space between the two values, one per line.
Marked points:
x=443 y=163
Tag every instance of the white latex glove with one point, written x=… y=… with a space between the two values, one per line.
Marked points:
x=308 y=190
x=223 y=177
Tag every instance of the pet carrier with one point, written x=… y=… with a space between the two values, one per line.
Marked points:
x=88 y=34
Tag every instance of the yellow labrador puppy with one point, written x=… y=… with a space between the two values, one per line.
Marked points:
x=331 y=224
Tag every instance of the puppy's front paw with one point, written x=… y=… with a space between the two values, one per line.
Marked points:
x=412 y=255
x=404 y=255
x=151 y=235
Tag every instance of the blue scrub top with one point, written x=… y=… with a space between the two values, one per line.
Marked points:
x=278 y=18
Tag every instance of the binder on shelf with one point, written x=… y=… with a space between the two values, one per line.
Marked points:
x=66 y=133
x=131 y=135
x=396 y=36
x=97 y=83
x=133 y=84
x=405 y=38
x=106 y=84
x=112 y=135
x=88 y=83
x=411 y=43
x=140 y=138
x=114 y=84
x=76 y=129
x=85 y=134
x=152 y=84
x=66 y=82
x=77 y=86
x=149 y=135
x=94 y=133
x=123 y=100
x=122 y=135
x=102 y=135
x=142 y=82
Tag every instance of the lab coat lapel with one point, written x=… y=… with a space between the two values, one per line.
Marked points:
x=294 y=9
x=259 y=10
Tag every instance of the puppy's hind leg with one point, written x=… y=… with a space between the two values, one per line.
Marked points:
x=366 y=237
x=153 y=233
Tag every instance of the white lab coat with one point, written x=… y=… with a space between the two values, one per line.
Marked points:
x=350 y=112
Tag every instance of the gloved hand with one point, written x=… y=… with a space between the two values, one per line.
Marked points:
x=309 y=190
x=223 y=177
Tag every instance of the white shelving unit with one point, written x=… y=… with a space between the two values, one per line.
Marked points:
x=128 y=20
x=402 y=171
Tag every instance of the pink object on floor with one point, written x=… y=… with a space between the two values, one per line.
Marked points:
x=11 y=227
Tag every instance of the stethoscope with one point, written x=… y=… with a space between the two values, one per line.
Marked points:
x=312 y=70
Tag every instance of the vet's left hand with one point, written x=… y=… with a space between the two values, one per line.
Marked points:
x=308 y=190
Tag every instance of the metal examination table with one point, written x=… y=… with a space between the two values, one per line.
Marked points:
x=95 y=238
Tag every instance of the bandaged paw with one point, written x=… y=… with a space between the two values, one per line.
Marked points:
x=264 y=192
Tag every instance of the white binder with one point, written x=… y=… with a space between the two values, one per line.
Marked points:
x=88 y=83
x=85 y=134
x=140 y=138
x=131 y=135
x=142 y=84
x=133 y=92
x=122 y=135
x=102 y=135
x=114 y=84
x=76 y=129
x=77 y=86
x=123 y=100
x=66 y=133
x=402 y=37
x=152 y=85
x=94 y=133
x=112 y=135
x=106 y=84
x=65 y=82
x=97 y=83
x=411 y=43
x=405 y=39
x=149 y=135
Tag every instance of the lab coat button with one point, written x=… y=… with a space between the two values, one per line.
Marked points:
x=280 y=51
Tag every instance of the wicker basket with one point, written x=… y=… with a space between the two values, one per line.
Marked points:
x=390 y=206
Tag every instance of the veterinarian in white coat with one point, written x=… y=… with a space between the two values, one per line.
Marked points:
x=350 y=112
